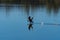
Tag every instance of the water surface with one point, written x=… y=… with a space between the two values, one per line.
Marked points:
x=14 y=24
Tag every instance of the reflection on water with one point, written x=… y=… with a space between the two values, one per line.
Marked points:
x=28 y=11
x=14 y=26
x=29 y=8
x=30 y=26
x=8 y=8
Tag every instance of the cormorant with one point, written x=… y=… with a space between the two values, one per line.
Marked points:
x=30 y=19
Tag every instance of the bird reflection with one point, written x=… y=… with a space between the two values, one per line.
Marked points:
x=30 y=26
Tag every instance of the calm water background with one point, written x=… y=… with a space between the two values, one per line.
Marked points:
x=14 y=24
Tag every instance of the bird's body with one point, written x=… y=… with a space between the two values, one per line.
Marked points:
x=30 y=19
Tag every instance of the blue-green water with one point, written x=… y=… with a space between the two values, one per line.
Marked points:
x=14 y=24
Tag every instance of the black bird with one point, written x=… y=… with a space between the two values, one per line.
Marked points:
x=30 y=19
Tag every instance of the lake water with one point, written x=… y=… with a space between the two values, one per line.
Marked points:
x=14 y=24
